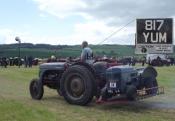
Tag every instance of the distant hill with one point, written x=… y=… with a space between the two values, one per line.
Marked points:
x=46 y=50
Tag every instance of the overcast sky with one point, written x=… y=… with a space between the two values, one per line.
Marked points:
x=73 y=21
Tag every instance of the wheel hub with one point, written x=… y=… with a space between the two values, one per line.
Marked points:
x=76 y=86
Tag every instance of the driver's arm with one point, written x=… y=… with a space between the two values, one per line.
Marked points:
x=83 y=55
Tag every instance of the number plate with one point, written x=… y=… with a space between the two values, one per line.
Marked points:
x=112 y=85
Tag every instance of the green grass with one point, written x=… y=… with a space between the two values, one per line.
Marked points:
x=17 y=105
x=167 y=76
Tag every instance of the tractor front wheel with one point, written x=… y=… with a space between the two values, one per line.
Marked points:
x=36 y=89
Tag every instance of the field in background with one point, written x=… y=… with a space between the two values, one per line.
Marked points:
x=45 y=51
x=17 y=105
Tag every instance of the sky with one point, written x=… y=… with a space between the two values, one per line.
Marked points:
x=69 y=22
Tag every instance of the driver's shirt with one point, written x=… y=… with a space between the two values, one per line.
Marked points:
x=87 y=55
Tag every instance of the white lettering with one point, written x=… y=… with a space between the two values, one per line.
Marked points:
x=148 y=25
x=157 y=37
x=153 y=24
x=146 y=36
x=161 y=24
x=163 y=38
x=154 y=37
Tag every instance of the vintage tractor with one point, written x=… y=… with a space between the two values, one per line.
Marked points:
x=79 y=82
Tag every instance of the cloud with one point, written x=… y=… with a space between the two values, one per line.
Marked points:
x=8 y=35
x=92 y=31
x=112 y=11
x=95 y=32
x=101 y=18
x=42 y=15
x=116 y=12
x=60 y=8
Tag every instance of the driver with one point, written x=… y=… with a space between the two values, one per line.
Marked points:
x=86 y=54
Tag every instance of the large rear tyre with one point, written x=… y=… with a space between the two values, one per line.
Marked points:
x=77 y=85
x=36 y=89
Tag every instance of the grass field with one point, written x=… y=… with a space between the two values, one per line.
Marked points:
x=17 y=105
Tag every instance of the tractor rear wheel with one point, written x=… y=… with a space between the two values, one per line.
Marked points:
x=77 y=85
x=36 y=89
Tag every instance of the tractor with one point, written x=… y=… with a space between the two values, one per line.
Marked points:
x=80 y=82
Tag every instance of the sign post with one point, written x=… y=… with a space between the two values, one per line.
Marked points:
x=154 y=36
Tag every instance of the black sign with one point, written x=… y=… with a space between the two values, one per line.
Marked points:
x=155 y=31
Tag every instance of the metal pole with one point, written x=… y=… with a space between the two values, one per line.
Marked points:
x=19 y=54
x=19 y=51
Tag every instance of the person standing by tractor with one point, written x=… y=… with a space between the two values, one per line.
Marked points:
x=143 y=60
x=26 y=61
x=87 y=53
